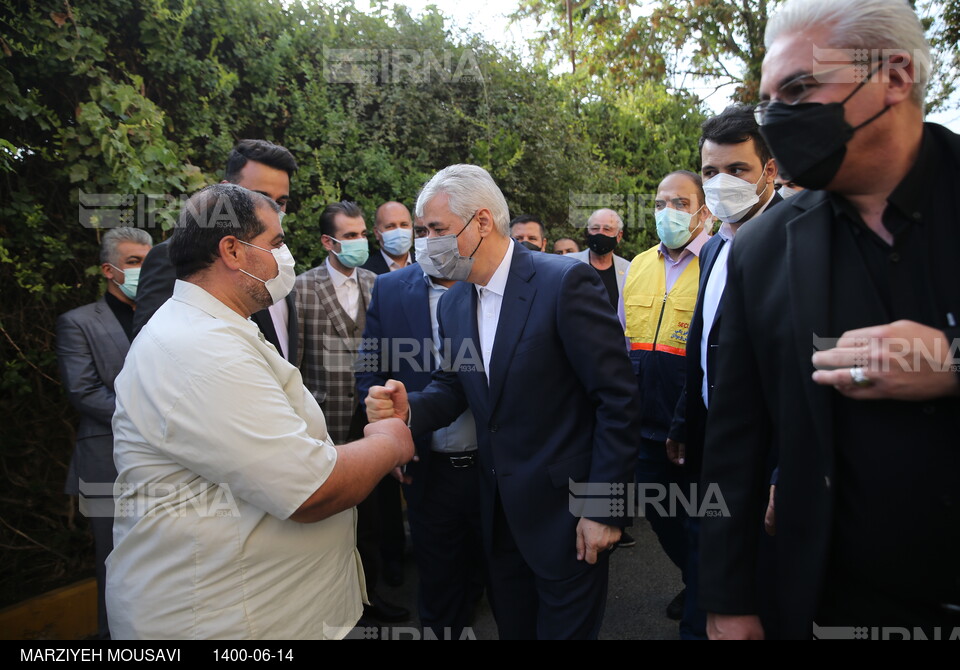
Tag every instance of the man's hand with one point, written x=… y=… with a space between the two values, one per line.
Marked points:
x=387 y=402
x=400 y=473
x=903 y=360
x=394 y=428
x=770 y=518
x=734 y=627
x=594 y=537
x=676 y=452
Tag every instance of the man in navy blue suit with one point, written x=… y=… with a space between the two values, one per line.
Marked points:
x=531 y=348
x=442 y=487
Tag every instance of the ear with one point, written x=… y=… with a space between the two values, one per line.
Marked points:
x=107 y=271
x=771 y=171
x=897 y=75
x=485 y=222
x=231 y=252
x=328 y=243
x=619 y=236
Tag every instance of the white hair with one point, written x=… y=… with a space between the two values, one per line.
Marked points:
x=109 y=243
x=860 y=24
x=468 y=188
x=612 y=211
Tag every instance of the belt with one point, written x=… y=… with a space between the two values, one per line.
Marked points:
x=457 y=460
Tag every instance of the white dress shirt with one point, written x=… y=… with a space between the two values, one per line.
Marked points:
x=488 y=307
x=217 y=443
x=713 y=294
x=392 y=264
x=279 y=313
x=461 y=435
x=347 y=289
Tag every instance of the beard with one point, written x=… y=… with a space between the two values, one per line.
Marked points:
x=257 y=290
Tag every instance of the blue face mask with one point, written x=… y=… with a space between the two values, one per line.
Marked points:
x=131 y=277
x=353 y=253
x=673 y=227
x=397 y=242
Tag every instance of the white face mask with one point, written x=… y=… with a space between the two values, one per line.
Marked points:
x=281 y=285
x=787 y=192
x=730 y=198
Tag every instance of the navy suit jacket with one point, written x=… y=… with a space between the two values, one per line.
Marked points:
x=398 y=323
x=561 y=403
x=690 y=419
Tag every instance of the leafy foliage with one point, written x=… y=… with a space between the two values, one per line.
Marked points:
x=146 y=98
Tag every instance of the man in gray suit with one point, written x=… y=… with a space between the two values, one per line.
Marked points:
x=92 y=342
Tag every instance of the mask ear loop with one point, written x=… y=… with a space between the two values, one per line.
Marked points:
x=861 y=85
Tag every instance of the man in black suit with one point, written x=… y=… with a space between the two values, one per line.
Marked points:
x=537 y=354
x=738 y=172
x=92 y=342
x=865 y=426
x=393 y=229
x=259 y=166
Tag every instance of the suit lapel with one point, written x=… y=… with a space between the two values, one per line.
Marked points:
x=809 y=237
x=415 y=306
x=113 y=328
x=517 y=300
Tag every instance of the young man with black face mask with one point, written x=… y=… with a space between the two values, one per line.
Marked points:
x=604 y=232
x=868 y=523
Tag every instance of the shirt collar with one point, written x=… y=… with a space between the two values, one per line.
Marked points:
x=337 y=277
x=726 y=232
x=498 y=282
x=195 y=296
x=391 y=263
x=432 y=285
x=694 y=247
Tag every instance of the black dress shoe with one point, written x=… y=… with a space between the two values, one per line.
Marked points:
x=384 y=612
x=675 y=608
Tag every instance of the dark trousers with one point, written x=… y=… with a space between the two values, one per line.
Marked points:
x=677 y=532
x=447 y=546
x=393 y=538
x=653 y=467
x=102 y=528
x=527 y=606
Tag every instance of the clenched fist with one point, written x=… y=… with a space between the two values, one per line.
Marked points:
x=388 y=402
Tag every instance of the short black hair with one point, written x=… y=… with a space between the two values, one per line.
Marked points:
x=735 y=125
x=209 y=216
x=697 y=181
x=527 y=218
x=258 y=151
x=329 y=213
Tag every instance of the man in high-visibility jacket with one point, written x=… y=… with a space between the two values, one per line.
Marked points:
x=659 y=297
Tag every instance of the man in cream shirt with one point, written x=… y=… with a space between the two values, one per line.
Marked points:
x=235 y=510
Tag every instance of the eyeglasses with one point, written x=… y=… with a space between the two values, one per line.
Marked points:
x=801 y=87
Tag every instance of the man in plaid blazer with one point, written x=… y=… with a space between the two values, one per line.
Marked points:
x=332 y=301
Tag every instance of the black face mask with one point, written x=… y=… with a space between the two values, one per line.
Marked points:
x=809 y=140
x=601 y=244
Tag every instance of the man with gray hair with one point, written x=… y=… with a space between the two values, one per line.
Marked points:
x=92 y=342
x=841 y=328
x=604 y=232
x=534 y=350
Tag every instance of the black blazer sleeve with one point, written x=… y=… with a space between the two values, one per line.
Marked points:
x=157 y=277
